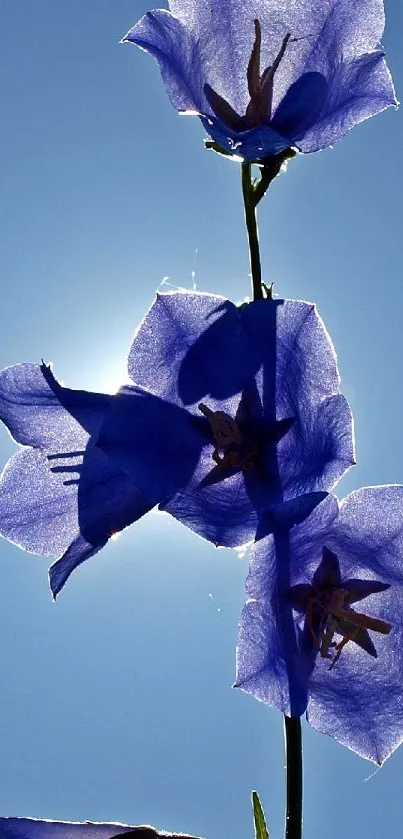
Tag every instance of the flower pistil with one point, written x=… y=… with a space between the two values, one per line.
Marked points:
x=230 y=451
x=329 y=613
x=260 y=86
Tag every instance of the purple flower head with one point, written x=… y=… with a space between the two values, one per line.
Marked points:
x=11 y=828
x=62 y=496
x=269 y=74
x=262 y=420
x=233 y=409
x=322 y=631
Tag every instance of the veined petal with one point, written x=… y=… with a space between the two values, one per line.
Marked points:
x=352 y=690
x=357 y=90
x=305 y=544
x=278 y=350
x=69 y=504
x=177 y=52
x=107 y=502
x=299 y=378
x=262 y=662
x=359 y=702
x=319 y=448
x=221 y=512
x=38 y=507
x=348 y=31
x=372 y=519
x=270 y=665
x=191 y=345
x=40 y=412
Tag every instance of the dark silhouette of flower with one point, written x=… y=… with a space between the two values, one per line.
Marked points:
x=322 y=629
x=269 y=75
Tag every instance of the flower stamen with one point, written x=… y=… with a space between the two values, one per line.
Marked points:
x=231 y=451
x=224 y=427
x=260 y=87
x=337 y=617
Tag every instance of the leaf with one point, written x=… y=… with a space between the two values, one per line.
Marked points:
x=261 y=831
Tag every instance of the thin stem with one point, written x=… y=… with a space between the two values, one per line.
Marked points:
x=252 y=230
x=293 y=755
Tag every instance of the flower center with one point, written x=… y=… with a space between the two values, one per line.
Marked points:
x=260 y=87
x=231 y=451
x=328 y=614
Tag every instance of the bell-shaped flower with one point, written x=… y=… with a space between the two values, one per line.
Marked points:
x=14 y=828
x=61 y=495
x=322 y=630
x=265 y=420
x=269 y=75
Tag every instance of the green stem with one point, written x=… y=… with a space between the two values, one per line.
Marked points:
x=293 y=756
x=251 y=227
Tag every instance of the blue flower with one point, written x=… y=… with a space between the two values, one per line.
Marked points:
x=271 y=74
x=62 y=496
x=233 y=409
x=265 y=420
x=14 y=828
x=322 y=631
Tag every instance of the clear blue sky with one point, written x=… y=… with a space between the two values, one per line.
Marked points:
x=115 y=703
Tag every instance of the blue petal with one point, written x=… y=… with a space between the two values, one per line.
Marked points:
x=66 y=504
x=38 y=509
x=78 y=552
x=358 y=701
x=360 y=706
x=319 y=448
x=14 y=828
x=108 y=501
x=288 y=514
x=255 y=144
x=222 y=512
x=177 y=52
x=373 y=515
x=347 y=31
x=191 y=345
x=305 y=545
x=39 y=412
x=157 y=443
x=301 y=107
x=269 y=664
x=357 y=90
x=297 y=378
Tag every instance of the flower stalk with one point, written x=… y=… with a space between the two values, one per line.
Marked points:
x=293 y=757
x=250 y=205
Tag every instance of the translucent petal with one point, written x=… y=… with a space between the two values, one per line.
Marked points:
x=66 y=504
x=190 y=346
x=357 y=701
x=279 y=351
x=40 y=412
x=177 y=52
